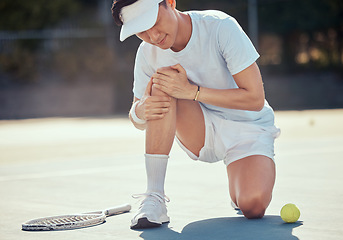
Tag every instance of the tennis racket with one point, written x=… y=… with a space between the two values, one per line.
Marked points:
x=73 y=221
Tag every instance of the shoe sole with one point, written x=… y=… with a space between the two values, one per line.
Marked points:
x=145 y=223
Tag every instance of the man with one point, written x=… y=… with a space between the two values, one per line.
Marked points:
x=196 y=80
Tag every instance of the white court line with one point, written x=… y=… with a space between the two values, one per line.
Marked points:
x=65 y=173
x=73 y=172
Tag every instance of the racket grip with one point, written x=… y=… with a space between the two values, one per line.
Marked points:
x=117 y=210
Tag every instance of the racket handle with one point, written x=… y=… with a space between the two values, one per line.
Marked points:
x=117 y=210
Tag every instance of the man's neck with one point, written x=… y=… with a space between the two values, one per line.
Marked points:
x=184 y=31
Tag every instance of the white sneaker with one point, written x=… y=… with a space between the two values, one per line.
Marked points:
x=152 y=211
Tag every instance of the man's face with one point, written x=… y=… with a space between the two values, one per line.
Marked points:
x=163 y=33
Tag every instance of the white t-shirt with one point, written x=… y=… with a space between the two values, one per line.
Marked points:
x=218 y=48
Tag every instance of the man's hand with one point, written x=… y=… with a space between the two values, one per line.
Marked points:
x=152 y=107
x=174 y=82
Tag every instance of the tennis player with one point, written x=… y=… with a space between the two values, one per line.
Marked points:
x=196 y=80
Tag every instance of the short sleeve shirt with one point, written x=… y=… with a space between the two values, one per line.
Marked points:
x=217 y=50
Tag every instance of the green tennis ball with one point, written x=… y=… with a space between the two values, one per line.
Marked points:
x=290 y=213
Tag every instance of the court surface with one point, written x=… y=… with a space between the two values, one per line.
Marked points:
x=59 y=166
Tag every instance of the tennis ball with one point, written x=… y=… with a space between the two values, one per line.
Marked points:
x=290 y=213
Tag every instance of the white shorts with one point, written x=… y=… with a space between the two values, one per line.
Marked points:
x=230 y=141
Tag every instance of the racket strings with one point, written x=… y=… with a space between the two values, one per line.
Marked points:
x=66 y=220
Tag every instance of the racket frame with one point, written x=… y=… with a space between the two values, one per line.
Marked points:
x=85 y=220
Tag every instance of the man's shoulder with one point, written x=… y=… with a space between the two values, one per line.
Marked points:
x=209 y=15
x=209 y=22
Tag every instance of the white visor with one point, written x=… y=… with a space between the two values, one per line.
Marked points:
x=138 y=17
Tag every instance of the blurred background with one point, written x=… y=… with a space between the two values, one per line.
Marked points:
x=64 y=58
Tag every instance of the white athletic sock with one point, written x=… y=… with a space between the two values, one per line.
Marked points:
x=156 y=167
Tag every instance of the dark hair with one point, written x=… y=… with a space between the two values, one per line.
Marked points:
x=119 y=4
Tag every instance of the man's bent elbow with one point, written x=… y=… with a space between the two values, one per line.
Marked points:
x=257 y=105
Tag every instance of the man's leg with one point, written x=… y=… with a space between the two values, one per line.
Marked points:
x=251 y=182
x=158 y=142
x=160 y=133
x=186 y=118
x=159 y=137
x=190 y=125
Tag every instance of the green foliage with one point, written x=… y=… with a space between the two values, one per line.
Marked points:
x=311 y=31
x=306 y=15
x=38 y=14
x=89 y=60
x=17 y=15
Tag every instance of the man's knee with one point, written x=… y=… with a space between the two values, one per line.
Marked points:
x=253 y=205
x=157 y=92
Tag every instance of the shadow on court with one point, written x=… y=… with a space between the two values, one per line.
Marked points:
x=267 y=228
